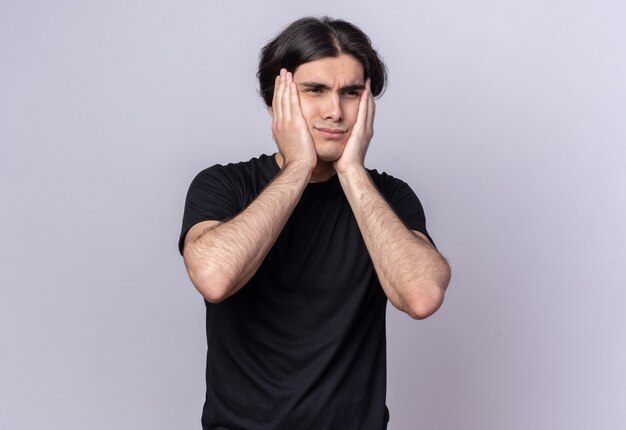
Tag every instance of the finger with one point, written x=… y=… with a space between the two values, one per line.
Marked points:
x=275 y=107
x=294 y=99
x=287 y=96
x=371 y=107
x=278 y=92
x=361 y=120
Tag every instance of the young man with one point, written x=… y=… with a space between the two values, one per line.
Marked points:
x=297 y=253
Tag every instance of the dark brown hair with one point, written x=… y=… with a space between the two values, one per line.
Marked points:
x=309 y=39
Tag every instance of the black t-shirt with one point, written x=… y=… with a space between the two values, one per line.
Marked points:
x=302 y=345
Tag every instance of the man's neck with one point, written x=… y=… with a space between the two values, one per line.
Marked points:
x=322 y=172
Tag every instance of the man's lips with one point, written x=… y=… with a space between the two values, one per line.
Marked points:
x=332 y=133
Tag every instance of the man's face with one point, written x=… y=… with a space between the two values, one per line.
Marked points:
x=330 y=89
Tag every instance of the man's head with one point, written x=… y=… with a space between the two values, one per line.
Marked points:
x=309 y=39
x=330 y=61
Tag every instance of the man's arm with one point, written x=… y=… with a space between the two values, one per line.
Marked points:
x=222 y=256
x=412 y=273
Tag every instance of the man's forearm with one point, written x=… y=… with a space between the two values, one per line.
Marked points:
x=412 y=273
x=224 y=256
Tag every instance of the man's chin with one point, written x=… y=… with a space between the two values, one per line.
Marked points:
x=329 y=152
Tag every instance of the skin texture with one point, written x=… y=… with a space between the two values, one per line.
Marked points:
x=329 y=92
x=322 y=123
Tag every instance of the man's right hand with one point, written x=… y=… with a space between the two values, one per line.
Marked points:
x=289 y=128
x=222 y=256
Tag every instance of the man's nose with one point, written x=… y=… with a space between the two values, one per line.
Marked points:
x=332 y=108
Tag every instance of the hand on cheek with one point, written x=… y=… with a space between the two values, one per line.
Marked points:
x=289 y=128
x=361 y=135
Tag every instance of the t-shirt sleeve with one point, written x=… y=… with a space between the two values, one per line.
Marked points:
x=212 y=196
x=405 y=203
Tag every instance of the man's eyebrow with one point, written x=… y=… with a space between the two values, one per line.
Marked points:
x=315 y=85
x=321 y=86
x=353 y=87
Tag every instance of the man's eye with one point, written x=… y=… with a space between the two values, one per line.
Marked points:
x=314 y=90
x=352 y=93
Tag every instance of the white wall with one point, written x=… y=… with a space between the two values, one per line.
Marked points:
x=507 y=118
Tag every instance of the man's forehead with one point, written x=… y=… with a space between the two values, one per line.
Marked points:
x=342 y=70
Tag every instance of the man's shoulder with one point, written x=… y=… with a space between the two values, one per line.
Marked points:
x=263 y=162
x=261 y=167
x=384 y=179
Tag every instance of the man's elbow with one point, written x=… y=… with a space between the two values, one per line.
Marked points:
x=421 y=306
x=213 y=287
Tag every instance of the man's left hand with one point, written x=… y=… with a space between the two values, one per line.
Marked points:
x=362 y=132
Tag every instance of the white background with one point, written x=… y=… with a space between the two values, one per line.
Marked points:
x=508 y=119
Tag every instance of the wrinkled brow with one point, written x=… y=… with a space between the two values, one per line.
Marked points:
x=321 y=86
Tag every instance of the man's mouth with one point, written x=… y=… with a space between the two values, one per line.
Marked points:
x=332 y=133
